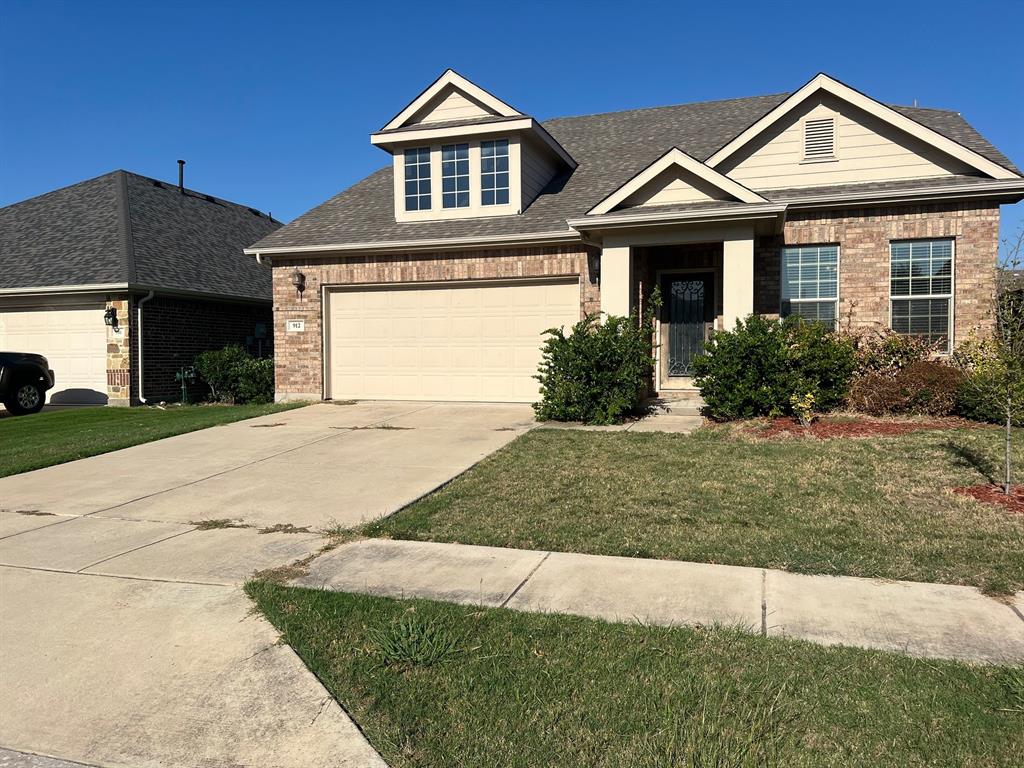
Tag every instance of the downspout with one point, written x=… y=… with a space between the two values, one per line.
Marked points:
x=138 y=332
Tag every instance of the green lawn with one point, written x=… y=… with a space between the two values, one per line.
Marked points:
x=859 y=507
x=524 y=690
x=53 y=437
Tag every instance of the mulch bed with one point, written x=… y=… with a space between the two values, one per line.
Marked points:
x=826 y=428
x=993 y=494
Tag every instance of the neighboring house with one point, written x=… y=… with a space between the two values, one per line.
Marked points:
x=434 y=278
x=121 y=280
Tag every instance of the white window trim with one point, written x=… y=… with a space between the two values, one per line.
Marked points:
x=949 y=296
x=839 y=264
x=508 y=173
x=476 y=208
x=430 y=179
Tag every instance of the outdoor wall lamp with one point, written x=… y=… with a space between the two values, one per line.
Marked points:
x=299 y=281
x=110 y=317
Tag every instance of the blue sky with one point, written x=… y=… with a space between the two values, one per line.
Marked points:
x=271 y=104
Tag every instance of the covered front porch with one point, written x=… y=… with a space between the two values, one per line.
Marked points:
x=706 y=276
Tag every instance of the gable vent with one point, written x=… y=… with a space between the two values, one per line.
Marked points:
x=820 y=138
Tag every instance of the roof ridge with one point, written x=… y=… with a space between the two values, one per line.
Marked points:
x=172 y=186
x=666 y=106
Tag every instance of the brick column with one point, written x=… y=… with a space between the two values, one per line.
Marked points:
x=119 y=369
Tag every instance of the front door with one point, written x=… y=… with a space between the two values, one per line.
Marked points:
x=688 y=305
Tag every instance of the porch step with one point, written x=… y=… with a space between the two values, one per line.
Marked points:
x=681 y=402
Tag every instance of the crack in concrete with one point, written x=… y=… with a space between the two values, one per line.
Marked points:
x=522 y=584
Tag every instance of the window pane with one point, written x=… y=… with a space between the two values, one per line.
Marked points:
x=810 y=272
x=494 y=171
x=928 y=264
x=454 y=175
x=417 y=179
x=927 y=319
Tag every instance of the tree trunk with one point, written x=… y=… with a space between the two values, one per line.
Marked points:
x=1006 y=484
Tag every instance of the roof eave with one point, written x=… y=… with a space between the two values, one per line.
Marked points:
x=663 y=218
x=406 y=246
x=1012 y=190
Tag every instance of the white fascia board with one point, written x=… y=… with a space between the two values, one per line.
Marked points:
x=404 y=246
x=429 y=134
x=454 y=79
x=756 y=211
x=823 y=82
x=66 y=289
x=676 y=157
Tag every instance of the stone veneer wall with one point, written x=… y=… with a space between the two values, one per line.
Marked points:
x=299 y=356
x=864 y=236
x=119 y=354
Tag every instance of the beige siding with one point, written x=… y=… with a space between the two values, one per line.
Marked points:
x=450 y=104
x=674 y=185
x=867 y=149
x=538 y=168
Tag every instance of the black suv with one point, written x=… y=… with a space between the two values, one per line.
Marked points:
x=24 y=379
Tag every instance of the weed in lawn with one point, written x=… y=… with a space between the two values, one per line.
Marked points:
x=413 y=641
x=1012 y=681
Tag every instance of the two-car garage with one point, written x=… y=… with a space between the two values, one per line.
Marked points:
x=472 y=341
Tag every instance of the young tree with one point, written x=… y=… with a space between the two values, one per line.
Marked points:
x=995 y=366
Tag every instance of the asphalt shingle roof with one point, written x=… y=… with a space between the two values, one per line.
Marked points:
x=126 y=228
x=610 y=149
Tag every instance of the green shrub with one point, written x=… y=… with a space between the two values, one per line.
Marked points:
x=599 y=373
x=989 y=379
x=757 y=368
x=256 y=381
x=234 y=376
x=924 y=388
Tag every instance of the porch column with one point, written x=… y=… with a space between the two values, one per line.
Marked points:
x=737 y=278
x=616 y=279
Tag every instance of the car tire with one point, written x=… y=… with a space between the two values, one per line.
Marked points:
x=27 y=397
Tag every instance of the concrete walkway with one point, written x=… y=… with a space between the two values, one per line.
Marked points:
x=927 y=620
x=125 y=639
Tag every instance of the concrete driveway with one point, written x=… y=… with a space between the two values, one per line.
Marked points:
x=124 y=637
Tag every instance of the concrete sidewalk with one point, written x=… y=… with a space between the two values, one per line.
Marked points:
x=927 y=620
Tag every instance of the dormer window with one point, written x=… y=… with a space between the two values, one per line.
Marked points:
x=417 y=179
x=455 y=176
x=820 y=138
x=494 y=172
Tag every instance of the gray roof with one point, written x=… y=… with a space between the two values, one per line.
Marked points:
x=610 y=149
x=125 y=228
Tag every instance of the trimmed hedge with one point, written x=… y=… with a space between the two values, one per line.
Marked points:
x=924 y=388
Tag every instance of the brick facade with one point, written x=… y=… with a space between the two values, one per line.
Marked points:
x=299 y=356
x=863 y=236
x=175 y=330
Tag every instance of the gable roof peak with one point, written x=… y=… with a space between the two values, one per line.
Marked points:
x=452 y=79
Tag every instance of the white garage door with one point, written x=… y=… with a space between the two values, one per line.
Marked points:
x=471 y=341
x=74 y=340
